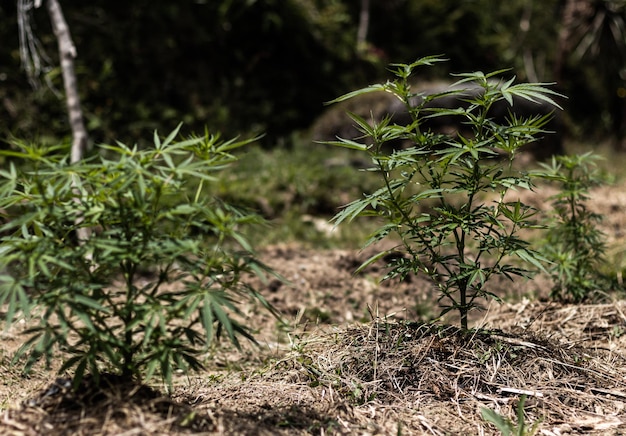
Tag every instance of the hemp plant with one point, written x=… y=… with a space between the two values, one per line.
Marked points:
x=575 y=246
x=444 y=197
x=158 y=274
x=506 y=426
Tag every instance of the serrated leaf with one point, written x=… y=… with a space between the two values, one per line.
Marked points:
x=352 y=210
x=531 y=257
x=371 y=260
x=226 y=324
x=90 y=302
x=206 y=312
x=345 y=143
x=349 y=95
x=502 y=424
x=171 y=136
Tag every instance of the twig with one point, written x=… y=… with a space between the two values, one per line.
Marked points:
x=428 y=427
x=521 y=392
x=481 y=396
x=608 y=392
x=516 y=341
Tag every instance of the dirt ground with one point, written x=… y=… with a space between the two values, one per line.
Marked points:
x=353 y=356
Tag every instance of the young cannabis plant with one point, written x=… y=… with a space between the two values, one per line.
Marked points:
x=575 y=246
x=437 y=193
x=508 y=427
x=157 y=277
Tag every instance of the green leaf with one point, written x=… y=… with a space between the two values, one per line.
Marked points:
x=169 y=138
x=168 y=160
x=536 y=92
x=166 y=366
x=225 y=322
x=531 y=257
x=90 y=302
x=353 y=210
x=151 y=368
x=349 y=95
x=502 y=424
x=234 y=144
x=372 y=260
x=207 y=318
x=345 y=143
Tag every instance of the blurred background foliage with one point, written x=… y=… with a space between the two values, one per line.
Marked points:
x=250 y=66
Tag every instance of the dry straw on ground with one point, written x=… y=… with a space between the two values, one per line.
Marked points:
x=384 y=377
x=348 y=371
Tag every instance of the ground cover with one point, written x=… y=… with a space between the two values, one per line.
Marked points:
x=354 y=356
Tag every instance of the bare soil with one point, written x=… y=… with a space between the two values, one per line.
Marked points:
x=353 y=356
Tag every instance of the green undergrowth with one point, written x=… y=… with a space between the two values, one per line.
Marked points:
x=298 y=190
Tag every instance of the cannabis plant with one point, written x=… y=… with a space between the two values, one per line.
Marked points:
x=508 y=427
x=122 y=263
x=444 y=197
x=574 y=245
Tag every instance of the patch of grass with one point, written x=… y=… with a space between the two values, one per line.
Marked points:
x=298 y=190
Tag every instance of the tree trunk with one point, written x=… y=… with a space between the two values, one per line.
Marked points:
x=563 y=45
x=67 y=53
x=364 y=22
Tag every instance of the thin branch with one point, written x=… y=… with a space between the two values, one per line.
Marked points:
x=34 y=59
x=364 y=22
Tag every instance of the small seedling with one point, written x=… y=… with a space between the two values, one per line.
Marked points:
x=508 y=427
x=574 y=244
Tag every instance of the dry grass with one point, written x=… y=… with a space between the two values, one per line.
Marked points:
x=383 y=377
x=433 y=378
x=347 y=369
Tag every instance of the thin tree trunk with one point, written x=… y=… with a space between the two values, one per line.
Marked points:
x=67 y=53
x=364 y=23
x=563 y=46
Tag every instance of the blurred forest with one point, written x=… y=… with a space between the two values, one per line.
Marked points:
x=268 y=66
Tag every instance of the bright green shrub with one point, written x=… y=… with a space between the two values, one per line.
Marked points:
x=574 y=245
x=444 y=197
x=157 y=275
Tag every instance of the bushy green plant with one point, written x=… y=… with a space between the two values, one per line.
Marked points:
x=508 y=427
x=118 y=266
x=574 y=245
x=437 y=191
